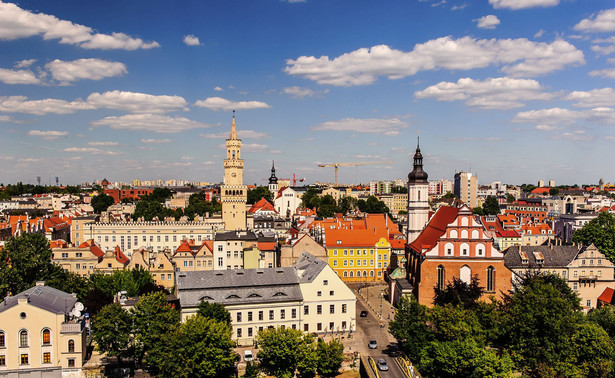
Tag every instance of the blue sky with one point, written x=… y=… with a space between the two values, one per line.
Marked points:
x=513 y=90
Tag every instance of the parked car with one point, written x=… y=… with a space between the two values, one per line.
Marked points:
x=364 y=314
x=382 y=365
x=373 y=344
x=248 y=356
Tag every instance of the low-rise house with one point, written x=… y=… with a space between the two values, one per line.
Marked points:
x=190 y=257
x=42 y=334
x=81 y=260
x=587 y=271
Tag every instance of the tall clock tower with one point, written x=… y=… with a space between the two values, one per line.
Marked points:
x=418 y=197
x=233 y=193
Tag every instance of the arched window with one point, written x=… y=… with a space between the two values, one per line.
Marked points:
x=440 y=277
x=358 y=273
x=480 y=249
x=345 y=274
x=371 y=273
x=464 y=249
x=464 y=221
x=23 y=338
x=464 y=234
x=453 y=234
x=465 y=274
x=449 y=249
x=351 y=274
x=490 y=279
x=71 y=346
x=233 y=154
x=2 y=340
x=46 y=337
x=364 y=273
x=475 y=234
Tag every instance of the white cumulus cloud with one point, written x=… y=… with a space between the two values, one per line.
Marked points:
x=487 y=22
x=157 y=123
x=604 y=21
x=219 y=103
x=607 y=72
x=491 y=93
x=243 y=134
x=136 y=102
x=191 y=40
x=18 y=77
x=595 y=98
x=21 y=104
x=386 y=126
x=155 y=141
x=522 y=4
x=89 y=150
x=548 y=116
x=18 y=23
x=49 y=134
x=517 y=57
x=103 y=143
x=91 y=69
x=301 y=92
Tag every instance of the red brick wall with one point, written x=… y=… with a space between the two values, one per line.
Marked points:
x=452 y=267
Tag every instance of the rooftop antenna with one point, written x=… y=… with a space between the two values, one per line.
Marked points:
x=38 y=179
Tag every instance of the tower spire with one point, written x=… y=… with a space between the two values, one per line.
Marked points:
x=233 y=128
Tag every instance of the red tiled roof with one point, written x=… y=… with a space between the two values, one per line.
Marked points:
x=351 y=237
x=435 y=228
x=397 y=243
x=58 y=244
x=508 y=234
x=266 y=246
x=608 y=296
x=262 y=205
x=209 y=244
x=120 y=256
x=543 y=190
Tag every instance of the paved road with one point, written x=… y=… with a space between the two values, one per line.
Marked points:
x=369 y=329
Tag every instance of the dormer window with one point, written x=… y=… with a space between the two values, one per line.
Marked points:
x=524 y=258
x=538 y=256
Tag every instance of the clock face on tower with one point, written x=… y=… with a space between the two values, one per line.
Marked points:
x=233 y=174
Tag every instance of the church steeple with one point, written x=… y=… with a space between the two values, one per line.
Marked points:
x=233 y=128
x=273 y=179
x=418 y=174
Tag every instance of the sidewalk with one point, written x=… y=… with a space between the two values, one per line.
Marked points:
x=375 y=298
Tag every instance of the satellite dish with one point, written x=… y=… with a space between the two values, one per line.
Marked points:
x=76 y=313
x=79 y=306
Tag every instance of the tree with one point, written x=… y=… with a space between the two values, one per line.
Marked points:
x=111 y=330
x=200 y=347
x=198 y=205
x=310 y=198
x=459 y=293
x=101 y=202
x=605 y=317
x=372 y=206
x=347 y=204
x=553 y=191
x=251 y=370
x=152 y=316
x=399 y=189
x=330 y=357
x=491 y=206
x=450 y=195
x=281 y=351
x=510 y=198
x=328 y=206
x=410 y=327
x=25 y=260
x=255 y=195
x=540 y=315
x=478 y=211
x=215 y=311
x=599 y=232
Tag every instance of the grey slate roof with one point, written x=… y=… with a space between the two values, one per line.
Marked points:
x=558 y=256
x=308 y=267
x=238 y=286
x=236 y=235
x=44 y=297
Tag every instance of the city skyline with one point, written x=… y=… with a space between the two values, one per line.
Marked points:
x=512 y=90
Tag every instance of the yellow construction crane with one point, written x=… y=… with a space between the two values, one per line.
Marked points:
x=336 y=165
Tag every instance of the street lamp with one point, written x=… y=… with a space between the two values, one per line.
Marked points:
x=381 y=297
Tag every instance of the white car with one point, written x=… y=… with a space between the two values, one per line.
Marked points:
x=248 y=356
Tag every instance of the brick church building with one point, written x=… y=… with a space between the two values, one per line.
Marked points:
x=452 y=243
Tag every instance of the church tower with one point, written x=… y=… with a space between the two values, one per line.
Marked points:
x=273 y=181
x=418 y=197
x=233 y=193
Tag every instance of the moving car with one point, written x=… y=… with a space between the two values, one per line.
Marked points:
x=364 y=314
x=247 y=355
x=373 y=344
x=382 y=365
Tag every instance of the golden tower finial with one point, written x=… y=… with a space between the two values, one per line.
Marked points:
x=233 y=128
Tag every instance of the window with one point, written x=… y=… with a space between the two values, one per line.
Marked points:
x=319 y=309
x=306 y=310
x=46 y=358
x=589 y=303
x=71 y=346
x=345 y=274
x=220 y=262
x=239 y=317
x=238 y=332
x=271 y=315
x=343 y=325
x=306 y=327
x=319 y=326
x=282 y=314
x=490 y=279
x=334 y=262
x=345 y=262
x=293 y=313
x=2 y=360
x=440 y=277
x=331 y=326
x=331 y=309
x=249 y=316
x=249 y=331
x=575 y=286
x=260 y=315
x=23 y=338
x=325 y=282
x=331 y=293
x=319 y=293
x=46 y=337
x=24 y=359
x=2 y=340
